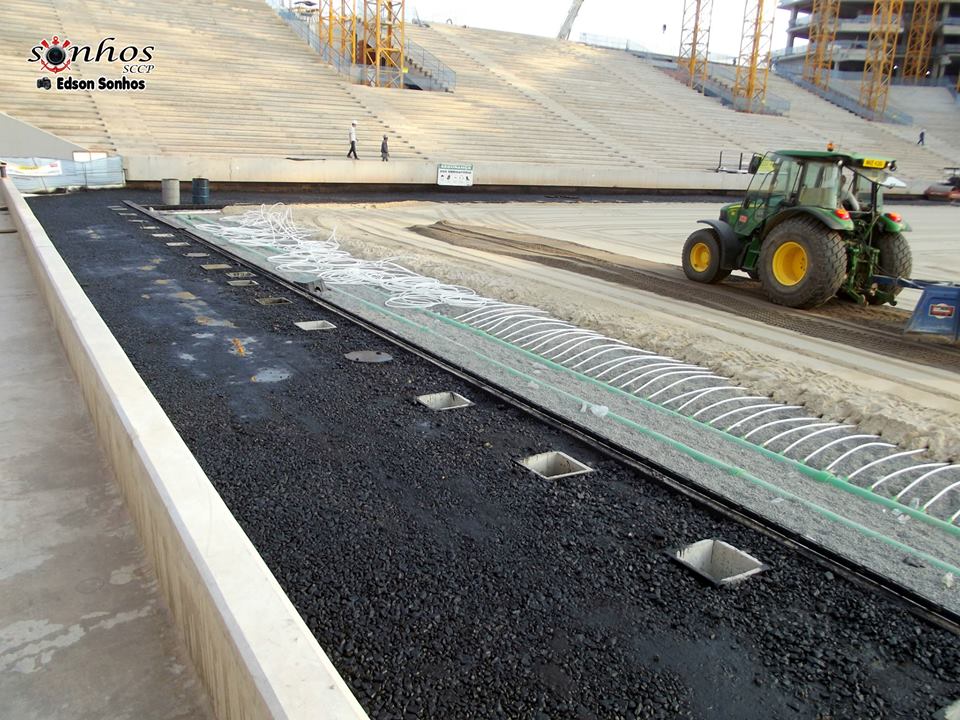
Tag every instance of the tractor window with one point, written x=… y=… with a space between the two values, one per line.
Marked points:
x=772 y=186
x=820 y=186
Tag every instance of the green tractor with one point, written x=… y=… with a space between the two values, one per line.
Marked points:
x=811 y=226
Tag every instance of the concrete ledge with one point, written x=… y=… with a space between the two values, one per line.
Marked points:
x=267 y=169
x=271 y=169
x=256 y=656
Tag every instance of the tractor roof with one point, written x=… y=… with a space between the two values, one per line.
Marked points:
x=851 y=158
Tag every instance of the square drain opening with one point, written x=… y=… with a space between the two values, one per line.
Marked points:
x=272 y=300
x=177 y=244
x=196 y=254
x=242 y=283
x=315 y=325
x=444 y=401
x=717 y=561
x=216 y=266
x=554 y=465
x=240 y=274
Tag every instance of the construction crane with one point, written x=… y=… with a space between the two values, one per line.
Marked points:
x=885 y=29
x=753 y=63
x=695 y=41
x=567 y=26
x=818 y=61
x=923 y=25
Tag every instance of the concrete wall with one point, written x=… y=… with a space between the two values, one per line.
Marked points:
x=419 y=172
x=254 y=653
x=21 y=139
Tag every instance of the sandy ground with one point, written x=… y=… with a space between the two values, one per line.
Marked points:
x=909 y=404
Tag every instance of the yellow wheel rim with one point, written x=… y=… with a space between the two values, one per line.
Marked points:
x=700 y=257
x=790 y=263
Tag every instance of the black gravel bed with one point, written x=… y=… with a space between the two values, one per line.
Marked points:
x=444 y=580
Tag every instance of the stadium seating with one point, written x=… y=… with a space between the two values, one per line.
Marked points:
x=232 y=79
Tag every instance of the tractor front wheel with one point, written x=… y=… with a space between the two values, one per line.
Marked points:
x=802 y=263
x=895 y=261
x=701 y=257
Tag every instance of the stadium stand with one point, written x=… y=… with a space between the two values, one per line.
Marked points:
x=264 y=92
x=520 y=100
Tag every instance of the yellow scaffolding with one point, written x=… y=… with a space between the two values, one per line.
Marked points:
x=336 y=27
x=753 y=62
x=824 y=22
x=885 y=28
x=695 y=40
x=923 y=25
x=382 y=42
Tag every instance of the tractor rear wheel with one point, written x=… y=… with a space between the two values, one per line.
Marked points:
x=701 y=257
x=802 y=263
x=895 y=260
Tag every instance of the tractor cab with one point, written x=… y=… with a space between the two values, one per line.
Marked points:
x=835 y=186
x=811 y=225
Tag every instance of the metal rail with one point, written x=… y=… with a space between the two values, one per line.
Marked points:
x=913 y=601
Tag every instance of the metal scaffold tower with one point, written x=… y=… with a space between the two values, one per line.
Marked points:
x=753 y=63
x=695 y=40
x=824 y=22
x=382 y=42
x=885 y=27
x=337 y=27
x=923 y=25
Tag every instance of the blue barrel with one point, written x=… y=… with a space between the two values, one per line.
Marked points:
x=201 y=191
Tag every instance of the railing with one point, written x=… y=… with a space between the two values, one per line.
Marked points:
x=437 y=75
x=613 y=43
x=721 y=81
x=845 y=101
x=430 y=65
x=306 y=27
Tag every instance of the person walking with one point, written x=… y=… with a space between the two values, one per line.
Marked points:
x=923 y=137
x=384 y=150
x=352 y=152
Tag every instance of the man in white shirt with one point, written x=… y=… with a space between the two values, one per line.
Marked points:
x=353 y=141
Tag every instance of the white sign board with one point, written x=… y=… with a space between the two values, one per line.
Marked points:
x=455 y=174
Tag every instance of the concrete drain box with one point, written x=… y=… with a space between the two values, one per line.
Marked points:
x=216 y=266
x=444 y=401
x=272 y=300
x=242 y=283
x=177 y=244
x=315 y=325
x=240 y=274
x=196 y=254
x=717 y=561
x=554 y=465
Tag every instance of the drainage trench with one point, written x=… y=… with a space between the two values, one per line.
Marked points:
x=442 y=577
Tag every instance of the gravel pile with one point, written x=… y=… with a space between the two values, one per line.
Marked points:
x=444 y=580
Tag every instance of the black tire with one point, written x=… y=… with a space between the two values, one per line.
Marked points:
x=896 y=260
x=709 y=269
x=818 y=278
